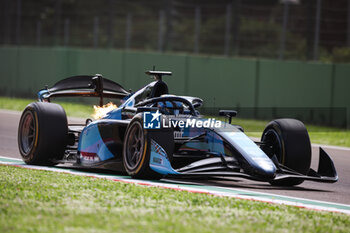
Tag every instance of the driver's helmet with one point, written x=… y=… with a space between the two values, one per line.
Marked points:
x=171 y=107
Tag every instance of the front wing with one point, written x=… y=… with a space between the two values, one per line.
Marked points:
x=229 y=167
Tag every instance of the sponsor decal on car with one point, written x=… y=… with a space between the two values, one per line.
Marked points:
x=157 y=160
x=178 y=134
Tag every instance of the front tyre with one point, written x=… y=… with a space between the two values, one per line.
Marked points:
x=136 y=151
x=289 y=141
x=42 y=133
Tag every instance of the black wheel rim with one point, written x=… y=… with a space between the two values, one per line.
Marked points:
x=27 y=133
x=272 y=144
x=134 y=146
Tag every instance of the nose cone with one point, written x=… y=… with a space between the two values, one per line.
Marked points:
x=264 y=167
x=258 y=162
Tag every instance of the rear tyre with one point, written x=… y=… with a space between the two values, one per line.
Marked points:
x=136 y=151
x=42 y=133
x=289 y=140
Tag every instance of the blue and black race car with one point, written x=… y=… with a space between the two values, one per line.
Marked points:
x=153 y=134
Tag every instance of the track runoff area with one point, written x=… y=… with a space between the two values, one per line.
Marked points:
x=189 y=187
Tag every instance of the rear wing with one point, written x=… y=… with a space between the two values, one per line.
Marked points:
x=84 y=85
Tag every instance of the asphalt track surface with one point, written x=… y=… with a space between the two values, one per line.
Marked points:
x=337 y=192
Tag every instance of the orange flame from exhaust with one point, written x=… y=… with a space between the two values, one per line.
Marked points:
x=100 y=112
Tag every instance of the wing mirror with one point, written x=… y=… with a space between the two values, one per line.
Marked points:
x=228 y=113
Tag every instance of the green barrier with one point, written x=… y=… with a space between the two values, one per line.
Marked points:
x=222 y=82
x=90 y=62
x=295 y=89
x=294 y=84
x=257 y=88
x=8 y=71
x=136 y=63
x=39 y=67
x=341 y=92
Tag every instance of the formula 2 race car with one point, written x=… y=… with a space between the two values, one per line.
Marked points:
x=153 y=134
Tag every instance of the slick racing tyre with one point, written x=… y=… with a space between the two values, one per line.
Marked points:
x=137 y=148
x=136 y=151
x=289 y=141
x=42 y=133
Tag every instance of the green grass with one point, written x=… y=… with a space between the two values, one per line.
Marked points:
x=253 y=128
x=72 y=109
x=43 y=201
